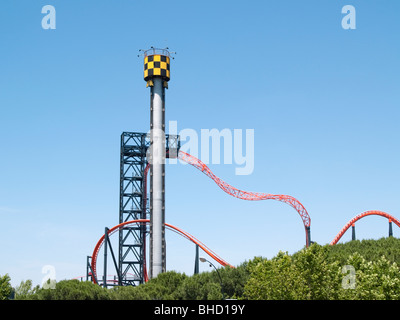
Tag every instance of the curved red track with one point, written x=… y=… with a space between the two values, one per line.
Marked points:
x=360 y=216
x=145 y=221
x=245 y=195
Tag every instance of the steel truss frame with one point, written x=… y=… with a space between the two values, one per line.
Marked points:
x=133 y=202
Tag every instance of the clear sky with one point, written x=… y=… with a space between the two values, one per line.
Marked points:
x=323 y=102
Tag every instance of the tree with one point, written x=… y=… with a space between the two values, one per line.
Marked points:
x=321 y=273
x=233 y=280
x=24 y=291
x=163 y=287
x=275 y=279
x=375 y=280
x=320 y=276
x=72 y=290
x=5 y=287
x=199 y=287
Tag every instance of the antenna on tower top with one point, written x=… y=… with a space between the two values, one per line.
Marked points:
x=156 y=51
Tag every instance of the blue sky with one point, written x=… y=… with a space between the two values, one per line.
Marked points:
x=323 y=103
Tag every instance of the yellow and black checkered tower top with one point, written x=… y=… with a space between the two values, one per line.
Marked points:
x=156 y=64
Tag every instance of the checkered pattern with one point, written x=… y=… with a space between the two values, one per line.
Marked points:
x=156 y=66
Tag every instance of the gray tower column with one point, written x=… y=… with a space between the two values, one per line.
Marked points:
x=157 y=179
x=157 y=74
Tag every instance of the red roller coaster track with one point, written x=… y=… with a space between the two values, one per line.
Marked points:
x=245 y=195
x=253 y=196
x=360 y=216
x=145 y=221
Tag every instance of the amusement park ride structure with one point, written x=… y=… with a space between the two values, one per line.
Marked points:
x=144 y=154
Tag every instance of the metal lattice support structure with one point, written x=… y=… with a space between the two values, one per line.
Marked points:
x=133 y=202
x=132 y=239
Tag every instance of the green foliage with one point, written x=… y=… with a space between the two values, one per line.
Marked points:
x=199 y=287
x=318 y=273
x=70 y=290
x=25 y=291
x=5 y=287
x=371 y=250
x=233 y=280
x=176 y=286
x=163 y=287
x=276 y=279
x=357 y=270
x=375 y=280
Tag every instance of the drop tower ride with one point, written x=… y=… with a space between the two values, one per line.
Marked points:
x=157 y=75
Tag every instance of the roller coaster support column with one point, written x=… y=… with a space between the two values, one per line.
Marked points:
x=196 y=260
x=89 y=270
x=156 y=74
x=390 y=228
x=353 y=232
x=105 y=258
x=107 y=243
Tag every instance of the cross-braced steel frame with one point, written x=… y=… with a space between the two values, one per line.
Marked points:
x=133 y=200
